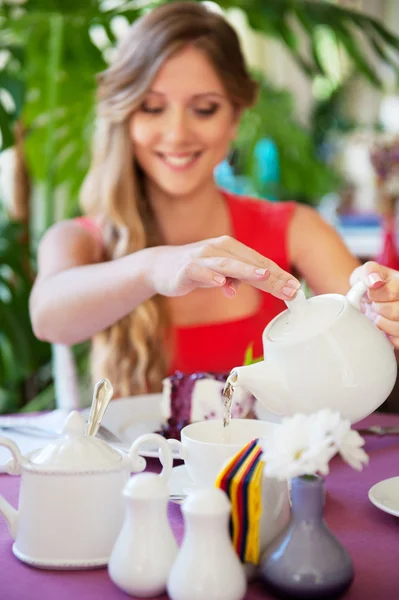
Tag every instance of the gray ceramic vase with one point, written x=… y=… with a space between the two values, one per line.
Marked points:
x=306 y=560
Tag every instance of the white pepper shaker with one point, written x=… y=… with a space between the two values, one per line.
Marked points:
x=207 y=566
x=146 y=548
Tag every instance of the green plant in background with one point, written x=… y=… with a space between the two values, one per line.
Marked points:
x=328 y=116
x=59 y=70
x=304 y=177
x=50 y=52
x=12 y=87
x=61 y=61
x=24 y=360
x=285 y=20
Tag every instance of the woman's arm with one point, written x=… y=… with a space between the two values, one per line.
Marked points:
x=75 y=295
x=319 y=254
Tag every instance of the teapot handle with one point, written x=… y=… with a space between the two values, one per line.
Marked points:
x=138 y=463
x=13 y=467
x=356 y=293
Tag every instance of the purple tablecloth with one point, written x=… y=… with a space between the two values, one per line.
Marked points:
x=370 y=535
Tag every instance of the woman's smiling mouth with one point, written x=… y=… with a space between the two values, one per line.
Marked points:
x=179 y=161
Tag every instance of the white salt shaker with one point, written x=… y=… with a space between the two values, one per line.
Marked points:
x=207 y=566
x=146 y=548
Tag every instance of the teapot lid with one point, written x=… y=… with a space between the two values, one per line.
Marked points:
x=305 y=318
x=74 y=451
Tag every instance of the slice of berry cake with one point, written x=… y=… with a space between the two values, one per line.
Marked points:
x=197 y=397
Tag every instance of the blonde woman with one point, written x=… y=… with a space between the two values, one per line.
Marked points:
x=167 y=271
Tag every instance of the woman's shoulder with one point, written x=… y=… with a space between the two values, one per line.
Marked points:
x=89 y=223
x=76 y=230
x=68 y=237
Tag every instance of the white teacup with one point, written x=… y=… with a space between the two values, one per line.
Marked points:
x=205 y=446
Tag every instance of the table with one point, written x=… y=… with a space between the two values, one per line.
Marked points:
x=371 y=536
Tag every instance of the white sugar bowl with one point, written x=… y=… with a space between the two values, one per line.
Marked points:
x=71 y=506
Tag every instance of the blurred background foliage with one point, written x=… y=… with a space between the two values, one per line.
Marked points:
x=50 y=53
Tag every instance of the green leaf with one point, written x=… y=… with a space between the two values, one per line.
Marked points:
x=44 y=400
x=381 y=51
x=15 y=50
x=311 y=30
x=274 y=18
x=248 y=356
x=356 y=54
x=16 y=88
x=7 y=136
x=9 y=374
x=18 y=336
x=386 y=36
x=9 y=400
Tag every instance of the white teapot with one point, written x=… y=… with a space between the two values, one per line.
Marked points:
x=322 y=353
x=71 y=506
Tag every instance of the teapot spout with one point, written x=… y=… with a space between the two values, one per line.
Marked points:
x=264 y=382
x=10 y=515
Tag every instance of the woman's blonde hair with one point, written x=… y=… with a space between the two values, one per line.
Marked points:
x=133 y=353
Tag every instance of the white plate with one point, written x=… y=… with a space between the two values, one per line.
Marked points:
x=128 y=418
x=385 y=495
x=179 y=484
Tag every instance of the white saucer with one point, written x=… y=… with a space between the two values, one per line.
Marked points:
x=385 y=495
x=180 y=484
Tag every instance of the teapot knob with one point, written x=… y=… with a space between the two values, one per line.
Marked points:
x=298 y=303
x=356 y=293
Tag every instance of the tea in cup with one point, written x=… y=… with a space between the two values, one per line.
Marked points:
x=206 y=446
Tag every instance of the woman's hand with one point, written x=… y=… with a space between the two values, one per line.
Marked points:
x=381 y=303
x=219 y=262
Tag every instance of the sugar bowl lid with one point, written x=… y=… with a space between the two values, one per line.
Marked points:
x=74 y=451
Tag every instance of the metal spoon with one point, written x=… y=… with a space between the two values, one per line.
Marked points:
x=102 y=395
x=379 y=430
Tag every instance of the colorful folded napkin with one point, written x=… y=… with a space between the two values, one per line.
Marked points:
x=241 y=480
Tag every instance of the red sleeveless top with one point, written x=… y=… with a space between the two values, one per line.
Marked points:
x=218 y=347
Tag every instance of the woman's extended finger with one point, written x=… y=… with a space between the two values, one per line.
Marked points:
x=389 y=292
x=246 y=254
x=230 y=287
x=390 y=310
x=389 y=327
x=201 y=276
x=282 y=286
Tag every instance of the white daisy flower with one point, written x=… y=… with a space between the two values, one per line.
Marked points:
x=305 y=444
x=349 y=444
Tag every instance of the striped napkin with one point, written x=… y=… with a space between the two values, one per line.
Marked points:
x=241 y=480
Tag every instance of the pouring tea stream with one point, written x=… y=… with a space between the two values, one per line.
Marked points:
x=320 y=353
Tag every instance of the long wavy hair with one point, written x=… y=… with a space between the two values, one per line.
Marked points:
x=133 y=353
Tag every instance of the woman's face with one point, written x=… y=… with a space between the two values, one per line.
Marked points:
x=184 y=126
